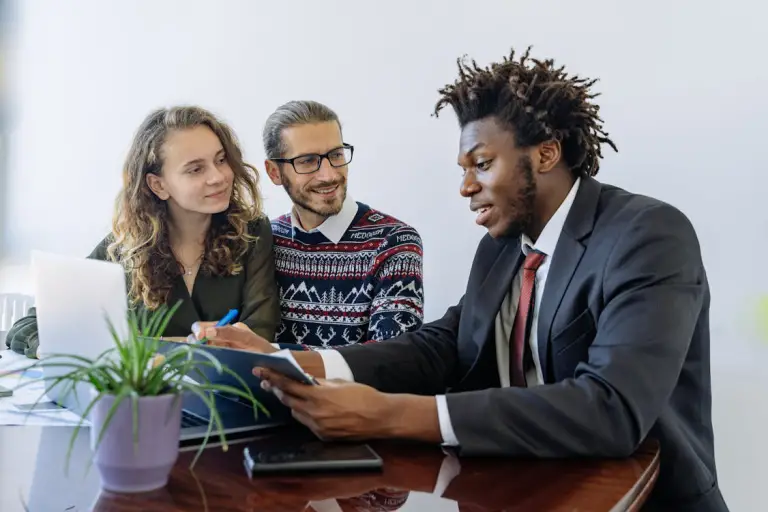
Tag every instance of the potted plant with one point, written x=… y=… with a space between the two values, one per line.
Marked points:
x=135 y=410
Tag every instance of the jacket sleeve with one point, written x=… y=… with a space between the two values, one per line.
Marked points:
x=22 y=338
x=261 y=303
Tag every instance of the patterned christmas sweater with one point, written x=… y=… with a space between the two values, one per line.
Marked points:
x=367 y=287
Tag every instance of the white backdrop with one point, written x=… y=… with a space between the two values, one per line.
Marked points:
x=683 y=98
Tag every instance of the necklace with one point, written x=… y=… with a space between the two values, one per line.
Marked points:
x=189 y=270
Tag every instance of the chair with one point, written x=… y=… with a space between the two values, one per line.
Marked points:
x=12 y=307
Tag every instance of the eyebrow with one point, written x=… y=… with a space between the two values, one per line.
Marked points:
x=472 y=150
x=308 y=153
x=475 y=148
x=201 y=160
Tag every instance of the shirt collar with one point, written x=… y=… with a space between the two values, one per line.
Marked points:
x=334 y=227
x=551 y=233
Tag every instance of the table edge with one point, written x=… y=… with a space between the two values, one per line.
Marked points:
x=636 y=496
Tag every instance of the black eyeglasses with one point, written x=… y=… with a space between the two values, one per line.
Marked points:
x=311 y=162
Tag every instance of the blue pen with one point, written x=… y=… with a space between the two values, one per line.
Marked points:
x=221 y=323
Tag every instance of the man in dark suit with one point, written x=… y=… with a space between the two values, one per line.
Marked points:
x=585 y=323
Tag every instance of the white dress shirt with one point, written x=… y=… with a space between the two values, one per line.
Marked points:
x=337 y=368
x=334 y=226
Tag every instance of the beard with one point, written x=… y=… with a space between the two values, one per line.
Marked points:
x=303 y=198
x=524 y=204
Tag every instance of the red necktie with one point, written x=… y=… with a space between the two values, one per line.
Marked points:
x=521 y=325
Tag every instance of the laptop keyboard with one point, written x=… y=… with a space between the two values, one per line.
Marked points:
x=190 y=420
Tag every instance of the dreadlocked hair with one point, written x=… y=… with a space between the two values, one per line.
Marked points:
x=537 y=101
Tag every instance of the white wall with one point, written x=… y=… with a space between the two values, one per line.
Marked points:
x=683 y=97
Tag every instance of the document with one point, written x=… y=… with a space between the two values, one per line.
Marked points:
x=28 y=386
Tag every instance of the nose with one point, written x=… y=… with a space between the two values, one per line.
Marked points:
x=326 y=171
x=325 y=163
x=215 y=175
x=469 y=185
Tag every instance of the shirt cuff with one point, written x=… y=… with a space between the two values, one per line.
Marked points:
x=444 y=418
x=336 y=366
x=449 y=469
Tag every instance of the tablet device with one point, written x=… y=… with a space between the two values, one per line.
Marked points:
x=242 y=362
x=306 y=453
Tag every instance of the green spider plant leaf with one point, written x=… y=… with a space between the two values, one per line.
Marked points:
x=130 y=370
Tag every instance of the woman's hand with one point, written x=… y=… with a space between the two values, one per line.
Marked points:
x=177 y=339
x=237 y=336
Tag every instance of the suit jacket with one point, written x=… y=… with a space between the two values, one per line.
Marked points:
x=623 y=339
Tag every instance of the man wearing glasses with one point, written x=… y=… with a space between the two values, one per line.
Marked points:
x=347 y=273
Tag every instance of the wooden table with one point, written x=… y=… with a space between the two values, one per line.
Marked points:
x=415 y=478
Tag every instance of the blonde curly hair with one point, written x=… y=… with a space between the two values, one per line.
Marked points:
x=140 y=241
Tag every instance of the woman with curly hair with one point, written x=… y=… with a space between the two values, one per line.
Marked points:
x=189 y=226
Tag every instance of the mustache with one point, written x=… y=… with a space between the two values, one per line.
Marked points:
x=326 y=184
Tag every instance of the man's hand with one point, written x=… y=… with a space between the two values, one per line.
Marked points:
x=237 y=336
x=337 y=409
x=333 y=409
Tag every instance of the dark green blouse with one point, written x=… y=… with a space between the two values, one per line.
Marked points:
x=253 y=292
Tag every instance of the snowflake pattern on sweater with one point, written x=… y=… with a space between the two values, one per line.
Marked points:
x=367 y=287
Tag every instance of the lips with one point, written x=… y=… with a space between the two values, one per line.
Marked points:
x=483 y=212
x=326 y=190
x=217 y=195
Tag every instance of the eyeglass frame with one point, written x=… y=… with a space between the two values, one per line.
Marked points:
x=325 y=156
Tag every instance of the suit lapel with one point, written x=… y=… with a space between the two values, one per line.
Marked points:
x=495 y=286
x=568 y=252
x=566 y=258
x=490 y=295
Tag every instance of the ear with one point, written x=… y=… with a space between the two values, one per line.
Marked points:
x=273 y=171
x=155 y=184
x=547 y=155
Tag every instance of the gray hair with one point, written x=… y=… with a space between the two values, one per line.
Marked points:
x=293 y=113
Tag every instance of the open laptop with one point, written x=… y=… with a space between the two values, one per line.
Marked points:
x=73 y=295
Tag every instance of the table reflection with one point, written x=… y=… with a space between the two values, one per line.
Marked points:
x=414 y=478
